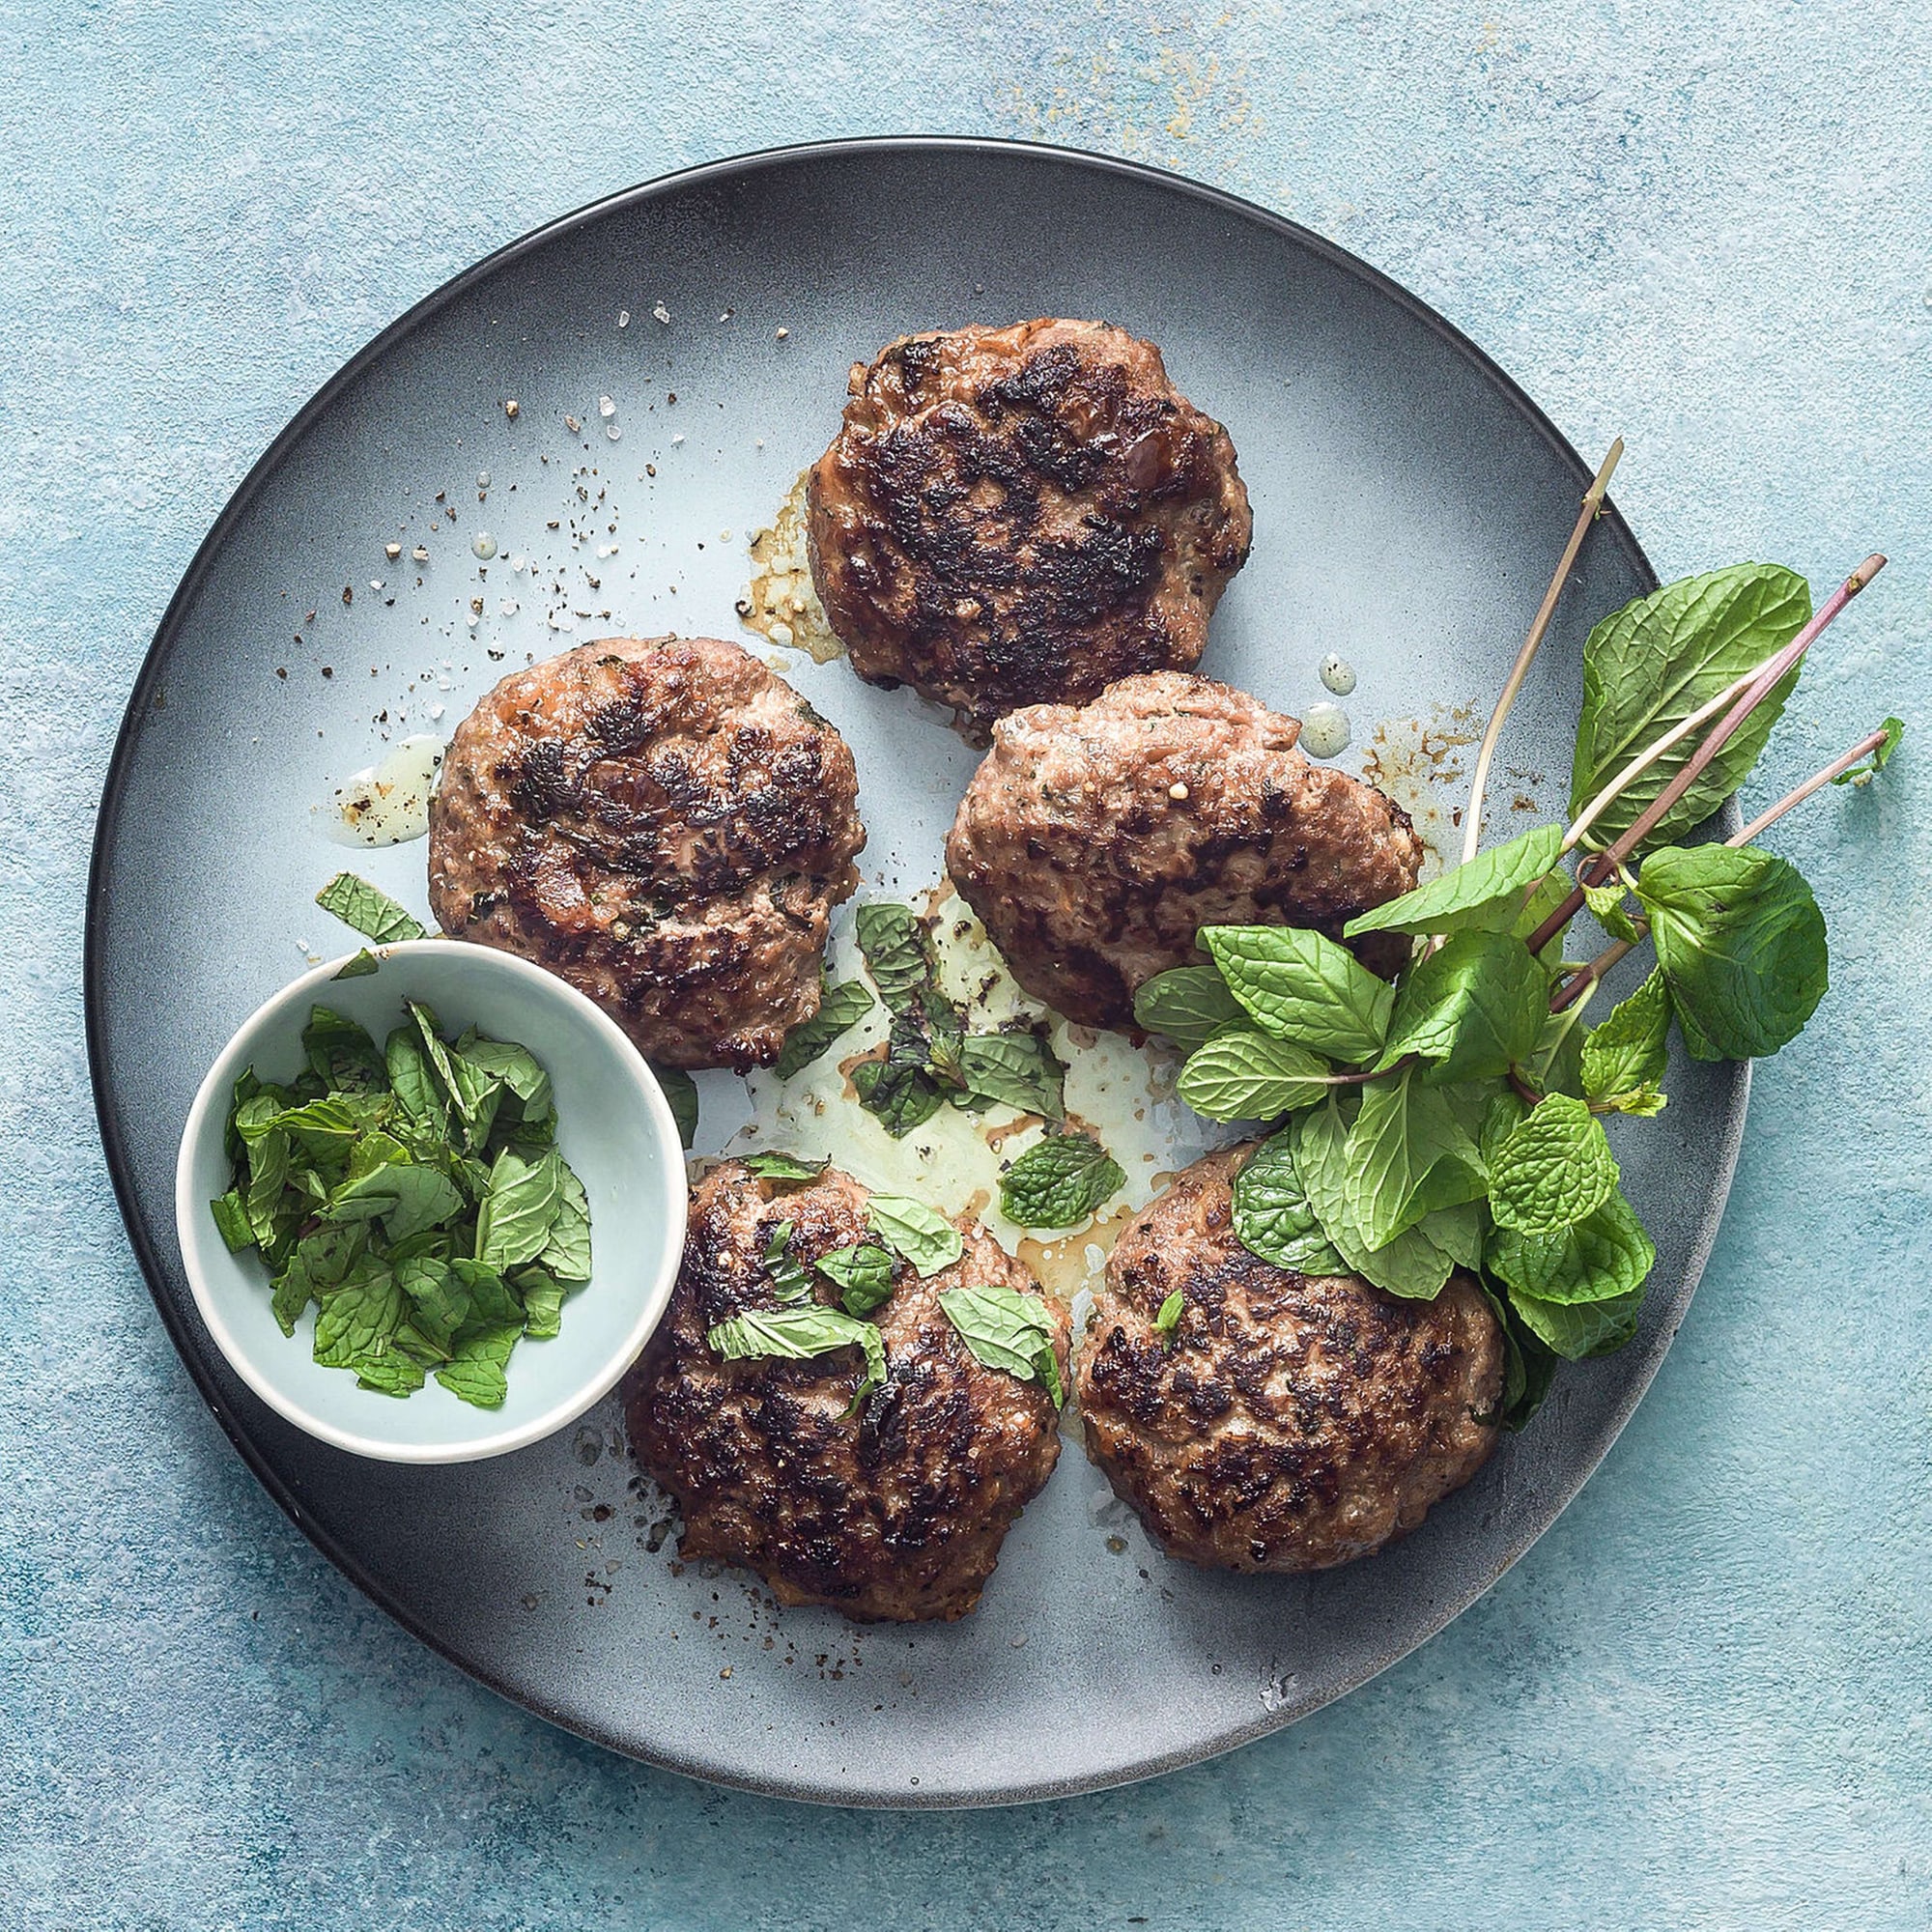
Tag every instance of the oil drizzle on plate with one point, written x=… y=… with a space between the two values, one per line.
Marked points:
x=388 y=804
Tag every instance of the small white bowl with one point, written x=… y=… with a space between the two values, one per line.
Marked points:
x=613 y=1126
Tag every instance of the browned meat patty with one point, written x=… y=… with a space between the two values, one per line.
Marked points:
x=1094 y=842
x=1298 y=1423
x=1013 y=516
x=667 y=826
x=896 y=1513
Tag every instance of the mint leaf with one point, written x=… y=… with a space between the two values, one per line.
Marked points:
x=566 y=1248
x=1528 y=1367
x=325 y=1129
x=473 y=1094
x=799 y=1334
x=341 y=1055
x=1549 y=893
x=360 y=967
x=1474 y=1007
x=1576 y=1330
x=1167 y=1319
x=915 y=1232
x=1244 y=1075
x=1552 y=1169
x=1556 y=1066
x=1186 y=1004
x=360 y=1311
x=542 y=1296
x=1864 y=774
x=680 y=1092
x=1274 y=1216
x=518 y=1069
x=413 y=1084
x=1058 y=1181
x=1652 y=663
x=840 y=1008
x=863 y=1272
x=899 y=952
x=474 y=1372
x=1299 y=986
x=1014 y=1069
x=317 y=1263
x=1625 y=1058
x=390 y=1370
x=1606 y=908
x=1485 y=894
x=1741 y=945
x=790 y=1283
x=1410 y=1265
x=231 y=1220
x=1005 y=1329
x=1602 y=1258
x=514 y=1221
x=439 y=1302
x=1407 y=1155
x=492 y=1302
x=783 y=1170
x=899 y=1090
x=370 y=910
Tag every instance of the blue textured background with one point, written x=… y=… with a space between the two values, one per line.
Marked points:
x=1705 y=1698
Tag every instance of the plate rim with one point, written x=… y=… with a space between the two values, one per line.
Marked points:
x=107 y=819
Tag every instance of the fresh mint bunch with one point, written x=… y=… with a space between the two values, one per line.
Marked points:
x=1455 y=1119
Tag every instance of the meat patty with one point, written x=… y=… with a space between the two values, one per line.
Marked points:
x=1013 y=516
x=1298 y=1423
x=664 y=823
x=1094 y=842
x=897 y=1512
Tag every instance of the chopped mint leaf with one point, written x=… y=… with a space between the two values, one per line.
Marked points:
x=915 y=1232
x=370 y=910
x=1005 y=1329
x=1167 y=1319
x=1059 y=1182
x=840 y=1008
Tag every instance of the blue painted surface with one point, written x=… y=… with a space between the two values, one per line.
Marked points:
x=1705 y=1698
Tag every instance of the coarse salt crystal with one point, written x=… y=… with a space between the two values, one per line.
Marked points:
x=662 y=313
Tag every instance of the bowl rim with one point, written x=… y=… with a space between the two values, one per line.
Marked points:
x=190 y=1210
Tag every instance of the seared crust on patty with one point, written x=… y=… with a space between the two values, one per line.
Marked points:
x=1298 y=1423
x=665 y=824
x=1094 y=842
x=897 y=1512
x=1024 y=514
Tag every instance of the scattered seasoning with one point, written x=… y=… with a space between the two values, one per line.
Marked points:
x=623 y=317
x=347 y=594
x=606 y=407
x=572 y=424
x=513 y=408
x=784 y=333
x=393 y=550
x=420 y=553
x=662 y=313
x=483 y=545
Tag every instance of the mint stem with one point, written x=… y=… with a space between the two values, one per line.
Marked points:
x=1595 y=871
x=1817 y=782
x=1573 y=989
x=1593 y=503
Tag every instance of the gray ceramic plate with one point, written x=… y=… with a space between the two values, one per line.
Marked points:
x=1410 y=502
